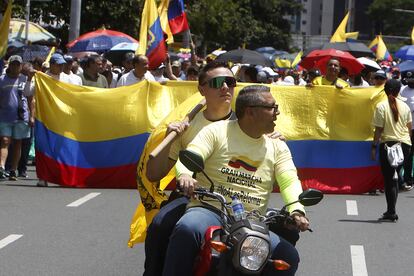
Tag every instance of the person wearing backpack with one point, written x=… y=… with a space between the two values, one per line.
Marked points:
x=392 y=137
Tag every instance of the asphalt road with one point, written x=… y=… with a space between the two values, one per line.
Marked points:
x=41 y=235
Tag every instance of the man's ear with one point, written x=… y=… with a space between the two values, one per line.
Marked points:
x=200 y=88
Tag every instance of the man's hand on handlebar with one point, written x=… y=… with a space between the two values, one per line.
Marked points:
x=302 y=222
x=186 y=184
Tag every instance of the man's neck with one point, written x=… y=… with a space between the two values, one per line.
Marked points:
x=249 y=128
x=90 y=76
x=135 y=74
x=216 y=113
x=331 y=77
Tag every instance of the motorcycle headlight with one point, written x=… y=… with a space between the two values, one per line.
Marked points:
x=254 y=252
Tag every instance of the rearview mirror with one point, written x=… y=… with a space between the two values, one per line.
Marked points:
x=192 y=161
x=310 y=197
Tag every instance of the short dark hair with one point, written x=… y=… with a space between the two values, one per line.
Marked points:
x=193 y=70
x=137 y=59
x=92 y=59
x=209 y=66
x=248 y=96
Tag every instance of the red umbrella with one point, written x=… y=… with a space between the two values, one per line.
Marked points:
x=98 y=41
x=319 y=59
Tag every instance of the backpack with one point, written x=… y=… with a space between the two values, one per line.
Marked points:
x=395 y=157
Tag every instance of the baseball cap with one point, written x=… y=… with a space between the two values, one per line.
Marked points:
x=15 y=58
x=270 y=72
x=68 y=58
x=380 y=74
x=57 y=59
x=176 y=63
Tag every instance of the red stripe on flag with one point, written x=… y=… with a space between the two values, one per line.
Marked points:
x=342 y=181
x=157 y=56
x=121 y=177
x=178 y=24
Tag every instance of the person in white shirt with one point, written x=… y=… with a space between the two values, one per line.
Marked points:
x=139 y=73
x=408 y=93
x=56 y=63
x=67 y=69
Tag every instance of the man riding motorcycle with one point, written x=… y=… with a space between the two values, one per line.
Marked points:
x=244 y=162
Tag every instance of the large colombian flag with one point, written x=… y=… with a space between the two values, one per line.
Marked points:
x=329 y=133
x=151 y=38
x=93 y=137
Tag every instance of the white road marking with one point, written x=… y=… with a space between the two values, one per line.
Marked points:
x=82 y=200
x=359 y=267
x=9 y=239
x=351 y=208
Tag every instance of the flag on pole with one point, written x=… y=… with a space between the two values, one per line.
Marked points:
x=177 y=17
x=151 y=39
x=51 y=52
x=4 y=29
x=341 y=35
x=163 y=12
x=378 y=47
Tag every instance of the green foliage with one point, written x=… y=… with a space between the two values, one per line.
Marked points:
x=232 y=23
x=391 y=22
x=214 y=23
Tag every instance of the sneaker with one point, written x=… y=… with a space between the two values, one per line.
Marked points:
x=3 y=173
x=12 y=176
x=389 y=217
x=41 y=183
x=405 y=187
x=23 y=175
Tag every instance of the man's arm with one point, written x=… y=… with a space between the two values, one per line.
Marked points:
x=159 y=166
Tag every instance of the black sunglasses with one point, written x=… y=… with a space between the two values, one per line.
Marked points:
x=218 y=82
x=275 y=107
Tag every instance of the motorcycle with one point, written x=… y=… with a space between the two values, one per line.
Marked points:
x=245 y=244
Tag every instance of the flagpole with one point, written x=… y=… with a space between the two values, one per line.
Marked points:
x=170 y=137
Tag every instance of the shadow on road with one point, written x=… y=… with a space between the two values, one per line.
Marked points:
x=361 y=220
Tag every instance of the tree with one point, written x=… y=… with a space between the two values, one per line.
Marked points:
x=232 y=23
x=215 y=23
x=391 y=22
x=118 y=15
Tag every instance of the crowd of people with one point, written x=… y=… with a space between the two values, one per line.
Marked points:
x=17 y=86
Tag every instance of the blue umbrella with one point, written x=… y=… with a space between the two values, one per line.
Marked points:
x=117 y=53
x=406 y=66
x=29 y=52
x=405 y=53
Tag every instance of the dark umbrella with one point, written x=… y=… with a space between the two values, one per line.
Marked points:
x=319 y=59
x=405 y=52
x=357 y=49
x=244 y=56
x=117 y=53
x=406 y=66
x=29 y=52
x=98 y=41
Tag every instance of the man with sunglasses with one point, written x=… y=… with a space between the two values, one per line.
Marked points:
x=244 y=162
x=216 y=83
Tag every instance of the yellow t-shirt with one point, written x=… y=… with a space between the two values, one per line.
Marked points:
x=323 y=81
x=393 y=131
x=243 y=166
x=198 y=122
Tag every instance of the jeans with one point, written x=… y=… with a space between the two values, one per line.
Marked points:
x=391 y=185
x=158 y=234
x=24 y=157
x=185 y=243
